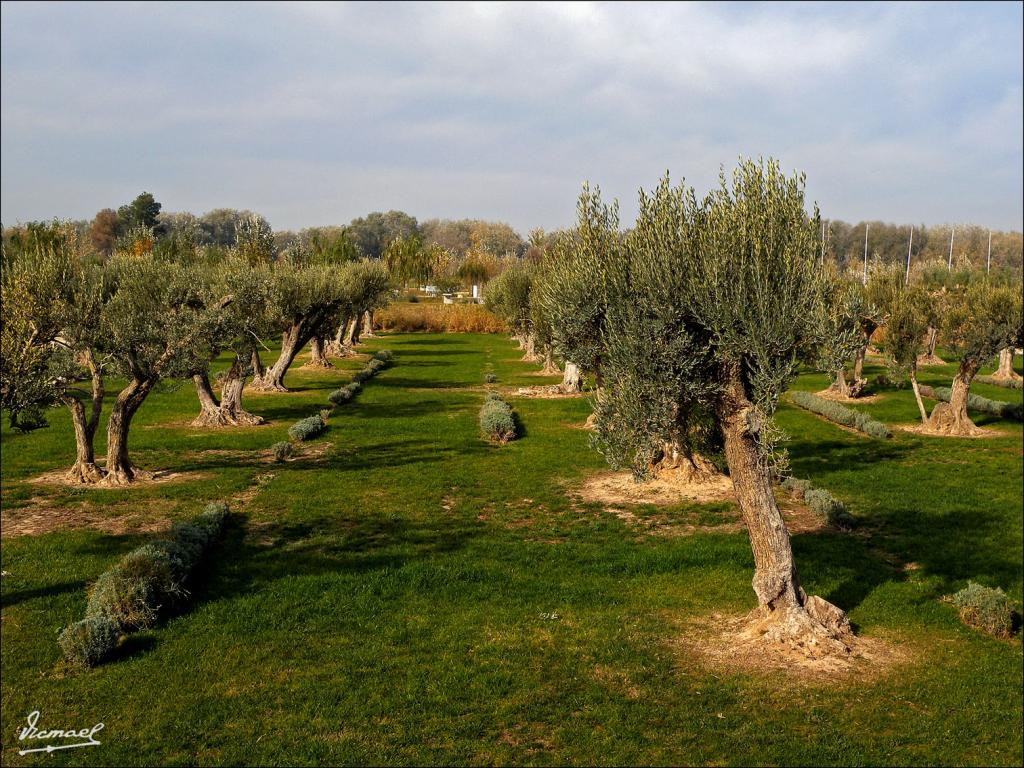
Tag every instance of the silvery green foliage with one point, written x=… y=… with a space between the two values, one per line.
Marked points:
x=1005 y=383
x=339 y=396
x=831 y=509
x=1000 y=408
x=497 y=421
x=307 y=428
x=572 y=294
x=89 y=642
x=130 y=595
x=508 y=296
x=282 y=451
x=845 y=309
x=696 y=288
x=848 y=417
x=985 y=608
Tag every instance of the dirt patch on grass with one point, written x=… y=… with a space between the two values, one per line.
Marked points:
x=921 y=429
x=925 y=361
x=831 y=394
x=41 y=516
x=725 y=642
x=617 y=488
x=620 y=496
x=144 y=478
x=552 y=392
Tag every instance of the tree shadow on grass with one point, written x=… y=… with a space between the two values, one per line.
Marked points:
x=13 y=597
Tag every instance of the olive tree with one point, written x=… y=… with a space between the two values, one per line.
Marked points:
x=508 y=296
x=572 y=292
x=709 y=307
x=982 y=319
x=247 y=319
x=50 y=342
x=304 y=301
x=163 y=320
x=906 y=325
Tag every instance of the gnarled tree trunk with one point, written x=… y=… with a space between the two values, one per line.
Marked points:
x=929 y=357
x=229 y=411
x=1005 y=371
x=572 y=378
x=354 y=331
x=550 y=366
x=272 y=379
x=785 y=613
x=231 y=390
x=530 y=349
x=210 y=414
x=858 y=364
x=951 y=418
x=338 y=346
x=120 y=470
x=368 y=324
x=317 y=358
x=258 y=371
x=840 y=385
x=85 y=469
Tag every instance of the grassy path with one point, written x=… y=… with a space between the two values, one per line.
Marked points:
x=409 y=594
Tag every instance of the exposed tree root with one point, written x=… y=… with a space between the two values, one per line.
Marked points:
x=339 y=349
x=318 y=362
x=924 y=361
x=946 y=420
x=224 y=418
x=803 y=647
x=84 y=473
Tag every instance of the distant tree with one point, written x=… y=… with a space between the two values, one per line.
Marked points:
x=143 y=211
x=103 y=231
x=373 y=232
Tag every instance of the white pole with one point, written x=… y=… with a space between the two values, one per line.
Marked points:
x=949 y=266
x=866 y=228
x=988 y=267
x=909 y=248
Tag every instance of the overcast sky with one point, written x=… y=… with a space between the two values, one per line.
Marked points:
x=313 y=114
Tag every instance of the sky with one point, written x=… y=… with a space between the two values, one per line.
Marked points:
x=313 y=114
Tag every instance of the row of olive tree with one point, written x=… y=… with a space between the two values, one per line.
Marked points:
x=145 y=316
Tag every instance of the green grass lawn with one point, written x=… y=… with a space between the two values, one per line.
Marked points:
x=412 y=594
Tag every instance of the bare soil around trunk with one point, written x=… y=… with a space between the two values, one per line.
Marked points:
x=831 y=394
x=142 y=479
x=551 y=392
x=929 y=431
x=733 y=643
x=619 y=495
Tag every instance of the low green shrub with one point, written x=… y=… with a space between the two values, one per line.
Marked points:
x=497 y=421
x=130 y=595
x=384 y=355
x=1000 y=408
x=1005 y=383
x=340 y=396
x=833 y=411
x=490 y=378
x=133 y=591
x=831 y=509
x=89 y=642
x=307 y=428
x=797 y=487
x=987 y=609
x=282 y=451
